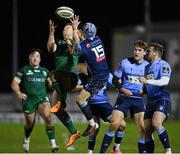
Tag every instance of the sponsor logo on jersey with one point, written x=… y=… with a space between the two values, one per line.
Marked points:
x=36 y=70
x=88 y=45
x=133 y=79
x=29 y=72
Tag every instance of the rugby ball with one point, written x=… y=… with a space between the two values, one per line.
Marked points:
x=64 y=12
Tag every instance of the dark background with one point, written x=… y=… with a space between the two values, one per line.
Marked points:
x=33 y=16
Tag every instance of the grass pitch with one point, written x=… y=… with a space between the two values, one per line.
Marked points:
x=11 y=138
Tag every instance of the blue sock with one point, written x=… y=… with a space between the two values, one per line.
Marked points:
x=141 y=145
x=91 y=142
x=86 y=110
x=106 y=141
x=119 y=136
x=149 y=142
x=163 y=136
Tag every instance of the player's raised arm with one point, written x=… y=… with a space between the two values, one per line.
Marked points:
x=51 y=46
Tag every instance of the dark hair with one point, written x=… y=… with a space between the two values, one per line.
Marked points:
x=157 y=47
x=33 y=50
x=141 y=44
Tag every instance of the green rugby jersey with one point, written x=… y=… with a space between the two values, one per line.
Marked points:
x=33 y=80
x=63 y=59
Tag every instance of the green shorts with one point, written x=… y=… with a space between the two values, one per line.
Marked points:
x=30 y=105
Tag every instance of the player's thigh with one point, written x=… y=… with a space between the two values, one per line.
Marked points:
x=157 y=119
x=44 y=110
x=82 y=68
x=83 y=96
x=54 y=97
x=139 y=119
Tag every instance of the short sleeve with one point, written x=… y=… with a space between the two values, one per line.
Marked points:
x=165 y=70
x=20 y=74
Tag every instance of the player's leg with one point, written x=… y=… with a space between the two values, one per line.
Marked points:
x=56 y=85
x=104 y=111
x=83 y=104
x=149 y=139
x=117 y=118
x=82 y=68
x=159 y=116
x=44 y=111
x=118 y=138
x=119 y=112
x=139 y=120
x=92 y=136
x=29 y=109
x=65 y=118
x=30 y=121
x=62 y=82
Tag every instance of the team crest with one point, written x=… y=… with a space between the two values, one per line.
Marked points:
x=44 y=73
x=165 y=70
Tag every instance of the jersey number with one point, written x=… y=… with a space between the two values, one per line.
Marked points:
x=99 y=52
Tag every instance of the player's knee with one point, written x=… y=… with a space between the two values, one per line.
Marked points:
x=122 y=126
x=80 y=99
x=114 y=125
x=48 y=120
x=156 y=124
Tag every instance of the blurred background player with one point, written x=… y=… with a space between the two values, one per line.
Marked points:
x=158 y=74
x=92 y=50
x=130 y=95
x=64 y=77
x=29 y=85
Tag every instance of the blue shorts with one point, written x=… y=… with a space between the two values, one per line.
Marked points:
x=94 y=86
x=103 y=110
x=129 y=104
x=162 y=105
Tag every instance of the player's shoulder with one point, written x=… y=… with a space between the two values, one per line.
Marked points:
x=129 y=60
x=145 y=62
x=25 y=67
x=163 y=62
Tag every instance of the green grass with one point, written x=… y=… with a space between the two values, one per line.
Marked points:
x=11 y=137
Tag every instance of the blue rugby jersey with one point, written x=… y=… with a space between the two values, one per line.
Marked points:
x=130 y=71
x=100 y=97
x=94 y=55
x=155 y=71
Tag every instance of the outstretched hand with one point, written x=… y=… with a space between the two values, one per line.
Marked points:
x=75 y=22
x=52 y=27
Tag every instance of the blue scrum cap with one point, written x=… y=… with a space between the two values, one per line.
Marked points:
x=89 y=30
